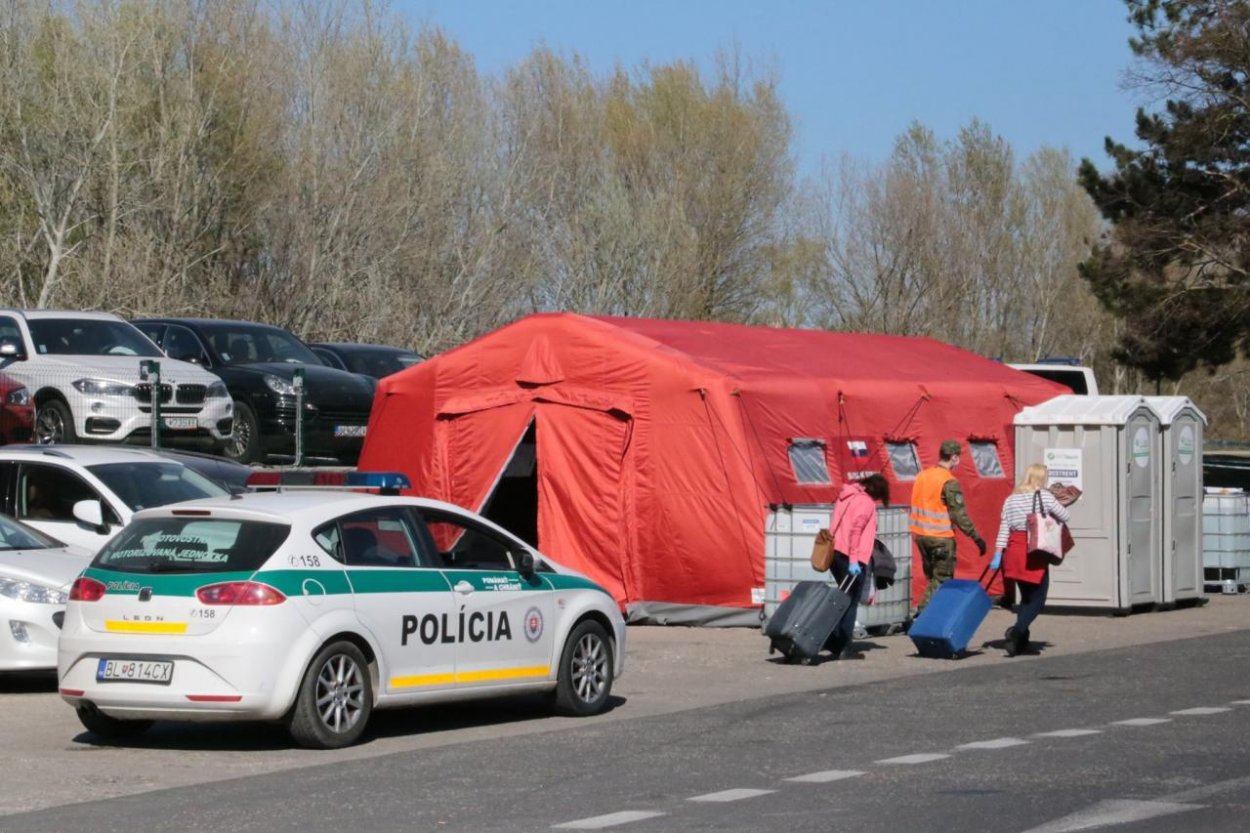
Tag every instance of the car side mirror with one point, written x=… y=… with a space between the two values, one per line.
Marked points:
x=525 y=565
x=91 y=514
x=9 y=350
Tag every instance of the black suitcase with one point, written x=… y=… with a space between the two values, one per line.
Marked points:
x=801 y=625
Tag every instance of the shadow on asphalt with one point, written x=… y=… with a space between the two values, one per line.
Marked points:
x=256 y=736
x=858 y=647
x=27 y=682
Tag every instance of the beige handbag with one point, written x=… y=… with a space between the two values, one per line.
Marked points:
x=822 y=552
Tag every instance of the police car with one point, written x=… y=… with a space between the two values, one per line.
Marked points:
x=315 y=607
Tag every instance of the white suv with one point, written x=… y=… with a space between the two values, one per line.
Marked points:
x=85 y=494
x=86 y=372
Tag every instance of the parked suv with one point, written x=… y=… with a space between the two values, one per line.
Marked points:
x=376 y=360
x=258 y=363
x=84 y=494
x=84 y=371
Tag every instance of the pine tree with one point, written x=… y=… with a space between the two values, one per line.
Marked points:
x=1176 y=264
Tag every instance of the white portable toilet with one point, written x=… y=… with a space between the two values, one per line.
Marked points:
x=1180 y=470
x=1108 y=446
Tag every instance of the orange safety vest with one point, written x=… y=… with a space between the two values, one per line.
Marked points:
x=929 y=516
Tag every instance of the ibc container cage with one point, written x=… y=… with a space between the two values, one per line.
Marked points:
x=788 y=540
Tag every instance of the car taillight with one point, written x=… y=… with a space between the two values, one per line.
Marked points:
x=86 y=590
x=239 y=593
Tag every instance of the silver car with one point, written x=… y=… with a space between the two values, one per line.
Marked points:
x=36 y=572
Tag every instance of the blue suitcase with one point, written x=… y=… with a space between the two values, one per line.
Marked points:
x=949 y=620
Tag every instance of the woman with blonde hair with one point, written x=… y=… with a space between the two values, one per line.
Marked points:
x=1030 y=571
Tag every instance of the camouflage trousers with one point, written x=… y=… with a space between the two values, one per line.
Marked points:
x=937 y=556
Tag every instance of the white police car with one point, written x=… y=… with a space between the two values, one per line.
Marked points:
x=315 y=607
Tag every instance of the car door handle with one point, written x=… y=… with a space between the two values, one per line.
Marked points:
x=464 y=588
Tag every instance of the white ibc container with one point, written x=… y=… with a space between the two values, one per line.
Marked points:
x=1226 y=538
x=788 y=539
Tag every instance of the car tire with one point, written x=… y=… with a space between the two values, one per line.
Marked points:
x=585 y=674
x=338 y=678
x=54 y=423
x=110 y=728
x=244 y=443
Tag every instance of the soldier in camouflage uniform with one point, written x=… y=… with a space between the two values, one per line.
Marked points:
x=937 y=507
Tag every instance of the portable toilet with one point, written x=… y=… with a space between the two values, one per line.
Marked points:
x=1107 y=446
x=1180 y=471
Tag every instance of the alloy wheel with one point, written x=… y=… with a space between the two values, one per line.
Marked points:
x=340 y=693
x=590 y=668
x=49 y=428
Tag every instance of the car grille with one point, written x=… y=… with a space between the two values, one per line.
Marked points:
x=143 y=392
x=191 y=394
x=344 y=417
x=184 y=395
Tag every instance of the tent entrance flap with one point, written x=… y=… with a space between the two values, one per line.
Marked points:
x=513 y=504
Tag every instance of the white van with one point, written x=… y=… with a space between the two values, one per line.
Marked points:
x=1079 y=378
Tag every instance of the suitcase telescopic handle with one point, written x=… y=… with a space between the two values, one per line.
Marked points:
x=981 y=580
x=845 y=584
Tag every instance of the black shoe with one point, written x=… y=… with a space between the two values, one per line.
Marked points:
x=1022 y=646
x=1013 y=642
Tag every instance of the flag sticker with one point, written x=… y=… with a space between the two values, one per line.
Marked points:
x=858 y=448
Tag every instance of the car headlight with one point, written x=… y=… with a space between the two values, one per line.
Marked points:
x=18 y=396
x=217 y=390
x=28 y=591
x=103 y=387
x=280 y=386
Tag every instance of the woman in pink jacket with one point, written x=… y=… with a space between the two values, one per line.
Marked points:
x=854 y=530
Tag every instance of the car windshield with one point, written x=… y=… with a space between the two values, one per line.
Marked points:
x=246 y=344
x=378 y=363
x=89 y=337
x=153 y=483
x=192 y=545
x=16 y=536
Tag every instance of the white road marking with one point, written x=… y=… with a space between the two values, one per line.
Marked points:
x=731 y=795
x=1143 y=721
x=826 y=776
x=1208 y=790
x=1241 y=702
x=922 y=758
x=997 y=743
x=1106 y=813
x=610 y=820
x=1204 y=710
x=1068 y=733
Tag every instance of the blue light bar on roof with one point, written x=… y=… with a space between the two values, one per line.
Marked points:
x=378 y=480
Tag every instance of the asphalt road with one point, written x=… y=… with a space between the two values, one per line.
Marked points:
x=1139 y=738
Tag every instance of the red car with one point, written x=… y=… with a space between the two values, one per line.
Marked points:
x=17 y=411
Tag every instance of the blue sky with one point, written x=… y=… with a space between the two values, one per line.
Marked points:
x=853 y=73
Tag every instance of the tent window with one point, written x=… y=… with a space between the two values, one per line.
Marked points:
x=903 y=459
x=807 y=459
x=985 y=456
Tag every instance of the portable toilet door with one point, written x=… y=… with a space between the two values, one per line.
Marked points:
x=1181 y=427
x=1145 y=562
x=1105 y=446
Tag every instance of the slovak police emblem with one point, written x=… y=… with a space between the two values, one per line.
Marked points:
x=533 y=624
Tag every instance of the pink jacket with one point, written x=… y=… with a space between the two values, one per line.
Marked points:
x=854 y=523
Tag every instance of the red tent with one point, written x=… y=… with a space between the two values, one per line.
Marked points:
x=647 y=453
